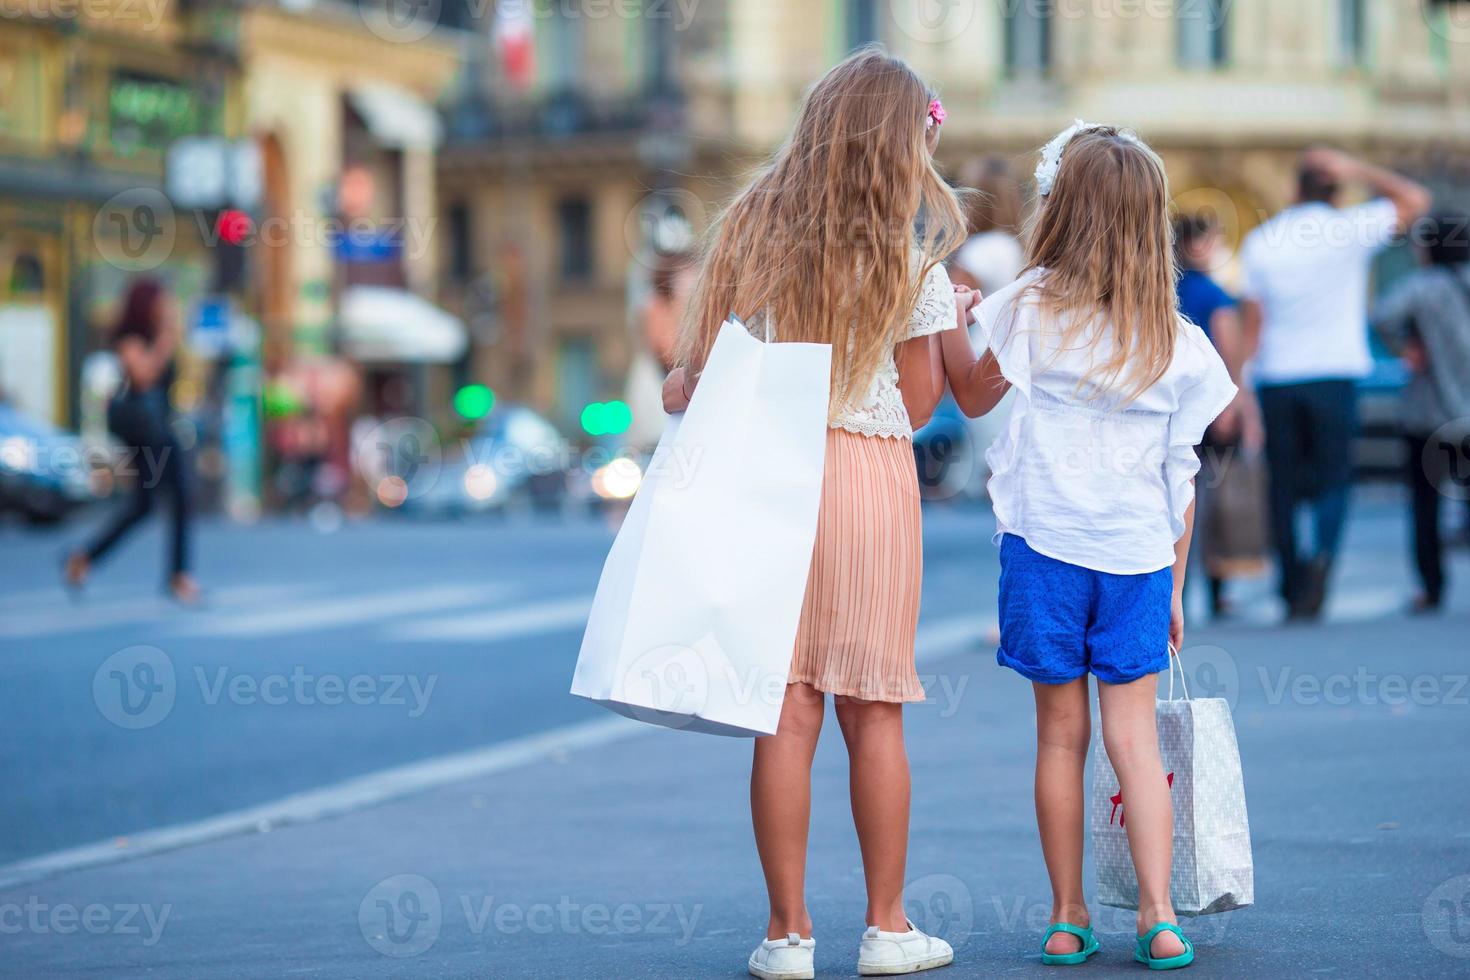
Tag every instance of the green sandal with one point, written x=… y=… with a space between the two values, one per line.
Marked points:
x=1144 y=952
x=1084 y=933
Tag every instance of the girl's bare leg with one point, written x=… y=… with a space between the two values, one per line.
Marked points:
x=1063 y=728
x=878 y=777
x=781 y=807
x=1131 y=737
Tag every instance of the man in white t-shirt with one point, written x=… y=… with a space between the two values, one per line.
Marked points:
x=1306 y=316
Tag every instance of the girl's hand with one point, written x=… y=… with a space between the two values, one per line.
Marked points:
x=1176 y=621
x=674 y=398
x=965 y=301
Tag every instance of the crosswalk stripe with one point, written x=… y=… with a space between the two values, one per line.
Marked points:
x=501 y=624
x=322 y=614
x=63 y=616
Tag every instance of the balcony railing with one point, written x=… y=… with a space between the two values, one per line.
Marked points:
x=562 y=115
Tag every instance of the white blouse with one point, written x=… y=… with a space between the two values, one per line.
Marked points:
x=882 y=412
x=1082 y=478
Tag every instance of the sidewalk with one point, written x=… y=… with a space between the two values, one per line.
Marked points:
x=634 y=858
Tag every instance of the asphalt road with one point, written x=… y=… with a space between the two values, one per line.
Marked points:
x=630 y=855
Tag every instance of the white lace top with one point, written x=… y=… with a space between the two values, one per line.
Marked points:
x=882 y=412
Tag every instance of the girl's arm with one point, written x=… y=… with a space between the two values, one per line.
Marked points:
x=977 y=383
x=920 y=377
x=1181 y=561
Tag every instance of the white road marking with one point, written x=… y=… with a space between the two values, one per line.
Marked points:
x=935 y=639
x=62 y=616
x=499 y=624
x=328 y=801
x=322 y=614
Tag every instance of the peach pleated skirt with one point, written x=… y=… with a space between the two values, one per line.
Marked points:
x=856 y=636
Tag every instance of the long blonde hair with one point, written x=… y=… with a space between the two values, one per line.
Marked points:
x=1103 y=240
x=824 y=239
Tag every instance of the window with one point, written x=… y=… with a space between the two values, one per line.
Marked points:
x=574 y=223
x=1352 y=32
x=461 y=263
x=564 y=64
x=862 y=23
x=1028 y=37
x=1202 y=33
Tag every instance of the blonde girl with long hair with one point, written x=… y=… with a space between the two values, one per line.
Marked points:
x=839 y=241
x=1093 y=490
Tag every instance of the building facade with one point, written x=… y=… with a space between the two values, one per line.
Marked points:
x=90 y=97
x=555 y=179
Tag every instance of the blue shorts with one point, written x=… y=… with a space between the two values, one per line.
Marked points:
x=1059 y=621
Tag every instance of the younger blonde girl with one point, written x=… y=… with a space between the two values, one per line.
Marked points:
x=1093 y=491
x=822 y=247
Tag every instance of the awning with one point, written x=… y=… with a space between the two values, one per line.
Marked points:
x=383 y=324
x=396 y=117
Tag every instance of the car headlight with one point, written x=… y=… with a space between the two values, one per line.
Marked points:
x=618 y=480
x=480 y=482
x=19 y=454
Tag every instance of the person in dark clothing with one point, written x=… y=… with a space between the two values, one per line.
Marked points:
x=1305 y=316
x=144 y=339
x=1425 y=319
x=1204 y=303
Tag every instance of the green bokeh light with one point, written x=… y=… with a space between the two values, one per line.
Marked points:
x=606 y=418
x=474 y=402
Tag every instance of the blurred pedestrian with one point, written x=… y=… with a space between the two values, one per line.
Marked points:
x=989 y=261
x=787 y=260
x=654 y=342
x=1305 y=315
x=144 y=338
x=1093 y=547
x=991 y=257
x=1231 y=526
x=1425 y=319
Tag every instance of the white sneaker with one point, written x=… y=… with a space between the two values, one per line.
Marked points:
x=784 y=959
x=886 y=953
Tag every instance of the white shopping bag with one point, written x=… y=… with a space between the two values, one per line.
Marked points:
x=696 y=613
x=1212 y=838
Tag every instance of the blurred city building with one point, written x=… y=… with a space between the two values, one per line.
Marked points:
x=273 y=163
x=375 y=208
x=584 y=139
x=91 y=97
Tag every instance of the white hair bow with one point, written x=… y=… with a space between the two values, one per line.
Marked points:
x=1051 y=153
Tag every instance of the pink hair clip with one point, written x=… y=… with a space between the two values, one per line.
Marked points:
x=937 y=115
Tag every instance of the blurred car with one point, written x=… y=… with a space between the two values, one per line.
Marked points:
x=516 y=460
x=44 y=473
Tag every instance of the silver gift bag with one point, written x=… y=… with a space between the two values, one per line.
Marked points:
x=1212 y=839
